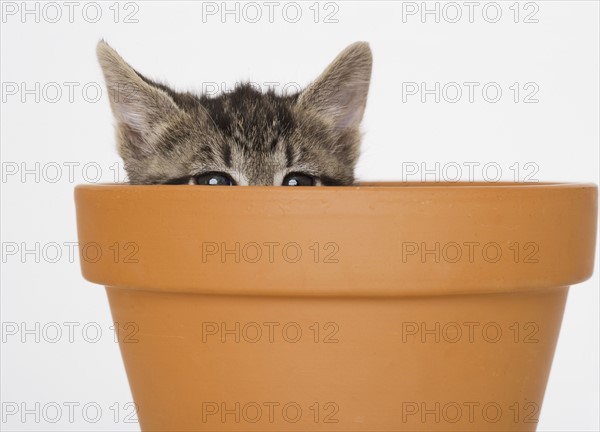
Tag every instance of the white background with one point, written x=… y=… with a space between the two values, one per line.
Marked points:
x=555 y=58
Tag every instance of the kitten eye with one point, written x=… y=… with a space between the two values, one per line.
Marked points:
x=298 y=179
x=214 y=179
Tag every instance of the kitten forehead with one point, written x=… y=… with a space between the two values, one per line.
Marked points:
x=251 y=119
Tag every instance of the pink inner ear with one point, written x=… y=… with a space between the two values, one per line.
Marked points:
x=133 y=119
x=346 y=106
x=350 y=118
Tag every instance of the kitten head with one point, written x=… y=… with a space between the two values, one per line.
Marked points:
x=243 y=137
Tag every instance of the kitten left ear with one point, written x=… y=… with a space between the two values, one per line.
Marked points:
x=138 y=106
x=340 y=92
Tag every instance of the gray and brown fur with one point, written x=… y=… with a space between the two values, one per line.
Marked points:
x=255 y=137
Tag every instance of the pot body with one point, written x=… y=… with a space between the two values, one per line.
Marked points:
x=247 y=363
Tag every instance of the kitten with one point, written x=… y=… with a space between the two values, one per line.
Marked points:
x=242 y=137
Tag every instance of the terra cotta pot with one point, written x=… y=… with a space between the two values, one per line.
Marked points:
x=379 y=307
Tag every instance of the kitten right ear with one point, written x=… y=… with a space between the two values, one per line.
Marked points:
x=138 y=106
x=340 y=92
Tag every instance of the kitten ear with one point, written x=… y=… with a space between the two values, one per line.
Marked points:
x=340 y=92
x=138 y=106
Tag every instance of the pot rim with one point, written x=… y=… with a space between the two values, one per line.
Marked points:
x=370 y=224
